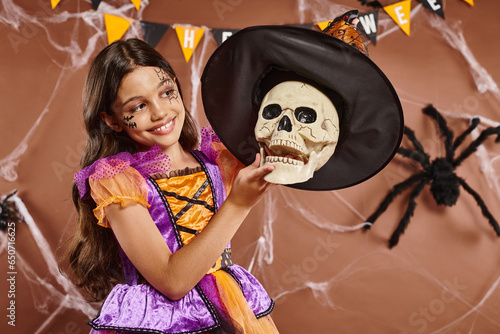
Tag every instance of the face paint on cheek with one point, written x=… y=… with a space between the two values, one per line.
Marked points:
x=174 y=95
x=131 y=125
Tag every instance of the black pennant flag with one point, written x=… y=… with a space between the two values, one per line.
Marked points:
x=95 y=4
x=153 y=32
x=369 y=22
x=221 y=35
x=435 y=6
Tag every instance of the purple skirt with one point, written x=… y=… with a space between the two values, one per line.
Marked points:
x=142 y=308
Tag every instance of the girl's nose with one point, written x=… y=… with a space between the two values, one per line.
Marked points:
x=157 y=111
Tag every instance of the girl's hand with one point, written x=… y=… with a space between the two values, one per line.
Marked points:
x=249 y=185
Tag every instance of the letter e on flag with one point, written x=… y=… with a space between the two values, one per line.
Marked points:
x=400 y=13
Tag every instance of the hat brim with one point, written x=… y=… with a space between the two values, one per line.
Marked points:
x=376 y=117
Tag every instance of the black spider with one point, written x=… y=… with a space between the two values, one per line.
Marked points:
x=444 y=183
x=8 y=211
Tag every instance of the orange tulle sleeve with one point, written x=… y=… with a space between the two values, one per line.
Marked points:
x=229 y=166
x=124 y=188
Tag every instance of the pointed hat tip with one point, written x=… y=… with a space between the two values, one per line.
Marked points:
x=346 y=28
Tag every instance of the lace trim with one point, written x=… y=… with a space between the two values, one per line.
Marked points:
x=178 y=172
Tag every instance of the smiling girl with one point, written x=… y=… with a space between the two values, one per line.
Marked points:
x=154 y=222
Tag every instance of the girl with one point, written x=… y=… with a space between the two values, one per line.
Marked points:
x=154 y=229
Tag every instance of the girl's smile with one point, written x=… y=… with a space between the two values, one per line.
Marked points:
x=164 y=128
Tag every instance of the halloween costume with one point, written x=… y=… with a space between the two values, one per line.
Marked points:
x=227 y=300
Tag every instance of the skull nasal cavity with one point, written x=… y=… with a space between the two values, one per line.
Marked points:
x=285 y=124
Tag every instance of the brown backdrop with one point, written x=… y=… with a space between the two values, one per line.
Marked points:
x=325 y=276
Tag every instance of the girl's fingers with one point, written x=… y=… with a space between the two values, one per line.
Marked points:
x=256 y=162
x=259 y=172
x=250 y=184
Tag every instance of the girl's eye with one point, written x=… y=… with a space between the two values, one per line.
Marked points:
x=168 y=93
x=139 y=107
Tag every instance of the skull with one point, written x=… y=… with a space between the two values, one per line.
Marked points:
x=297 y=130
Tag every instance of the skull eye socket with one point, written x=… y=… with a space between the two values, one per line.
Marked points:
x=305 y=115
x=271 y=111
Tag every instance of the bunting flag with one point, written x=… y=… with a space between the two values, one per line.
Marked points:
x=400 y=13
x=116 y=27
x=96 y=3
x=54 y=3
x=323 y=24
x=221 y=35
x=137 y=3
x=435 y=6
x=369 y=22
x=153 y=32
x=189 y=37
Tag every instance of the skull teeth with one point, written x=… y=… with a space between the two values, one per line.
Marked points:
x=274 y=159
x=285 y=143
x=285 y=152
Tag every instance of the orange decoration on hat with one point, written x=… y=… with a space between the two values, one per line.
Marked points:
x=345 y=28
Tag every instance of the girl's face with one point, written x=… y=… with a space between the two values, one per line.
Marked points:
x=149 y=108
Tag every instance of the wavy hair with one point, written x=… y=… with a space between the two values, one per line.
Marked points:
x=93 y=253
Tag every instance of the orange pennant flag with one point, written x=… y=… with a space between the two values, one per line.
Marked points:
x=137 y=3
x=470 y=2
x=189 y=37
x=323 y=24
x=400 y=13
x=54 y=3
x=115 y=27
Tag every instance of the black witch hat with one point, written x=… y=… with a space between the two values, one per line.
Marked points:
x=238 y=74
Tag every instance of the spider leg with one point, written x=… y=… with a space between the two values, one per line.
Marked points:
x=396 y=190
x=474 y=123
x=475 y=144
x=447 y=133
x=418 y=154
x=481 y=204
x=420 y=157
x=403 y=223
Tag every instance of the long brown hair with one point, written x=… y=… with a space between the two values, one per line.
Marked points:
x=93 y=253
